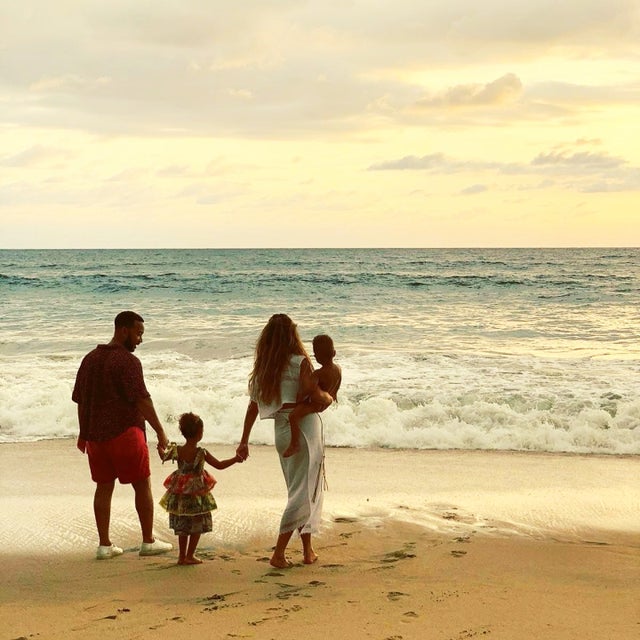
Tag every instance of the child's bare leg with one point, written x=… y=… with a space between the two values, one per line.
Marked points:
x=294 y=445
x=182 y=546
x=295 y=417
x=309 y=554
x=191 y=558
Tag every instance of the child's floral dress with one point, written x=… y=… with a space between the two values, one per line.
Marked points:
x=188 y=498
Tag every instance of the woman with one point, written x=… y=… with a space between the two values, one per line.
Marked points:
x=281 y=376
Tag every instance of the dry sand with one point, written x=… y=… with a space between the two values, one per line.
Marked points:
x=376 y=577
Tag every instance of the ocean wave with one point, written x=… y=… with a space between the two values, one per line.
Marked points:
x=387 y=400
x=519 y=349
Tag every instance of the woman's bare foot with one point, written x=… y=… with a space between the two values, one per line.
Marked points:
x=291 y=450
x=280 y=562
x=310 y=558
x=190 y=560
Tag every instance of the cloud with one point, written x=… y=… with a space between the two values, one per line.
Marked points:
x=436 y=163
x=580 y=160
x=474 y=189
x=31 y=156
x=286 y=68
x=506 y=89
x=68 y=82
x=584 y=95
x=583 y=171
x=174 y=171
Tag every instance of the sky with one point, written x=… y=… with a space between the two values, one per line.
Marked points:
x=328 y=123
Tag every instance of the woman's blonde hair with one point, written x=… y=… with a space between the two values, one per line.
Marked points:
x=278 y=341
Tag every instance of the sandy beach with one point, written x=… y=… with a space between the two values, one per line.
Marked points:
x=442 y=545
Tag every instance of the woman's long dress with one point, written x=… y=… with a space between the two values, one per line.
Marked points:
x=304 y=471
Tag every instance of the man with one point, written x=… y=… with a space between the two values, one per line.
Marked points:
x=113 y=405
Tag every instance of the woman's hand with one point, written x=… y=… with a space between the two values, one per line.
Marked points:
x=250 y=417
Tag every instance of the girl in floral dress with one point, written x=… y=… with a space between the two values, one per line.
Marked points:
x=188 y=498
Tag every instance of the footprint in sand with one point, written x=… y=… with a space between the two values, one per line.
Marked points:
x=213 y=602
x=462 y=539
x=472 y=633
x=409 y=615
x=396 y=595
x=401 y=554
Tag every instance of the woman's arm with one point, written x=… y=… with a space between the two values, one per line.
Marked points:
x=249 y=419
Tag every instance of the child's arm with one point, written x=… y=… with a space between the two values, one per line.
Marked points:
x=336 y=383
x=309 y=388
x=221 y=464
x=320 y=397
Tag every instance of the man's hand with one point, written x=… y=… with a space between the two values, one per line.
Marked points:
x=163 y=441
x=81 y=444
x=242 y=451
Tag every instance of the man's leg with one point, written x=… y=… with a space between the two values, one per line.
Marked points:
x=102 y=510
x=144 y=507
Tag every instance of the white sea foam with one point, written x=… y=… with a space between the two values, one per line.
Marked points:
x=387 y=400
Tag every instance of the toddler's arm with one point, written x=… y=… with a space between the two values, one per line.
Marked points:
x=309 y=390
x=320 y=398
x=222 y=464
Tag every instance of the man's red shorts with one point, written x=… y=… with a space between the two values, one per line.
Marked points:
x=125 y=457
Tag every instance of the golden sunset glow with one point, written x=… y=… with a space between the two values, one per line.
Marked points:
x=306 y=124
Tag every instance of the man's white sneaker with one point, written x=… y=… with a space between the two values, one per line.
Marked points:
x=105 y=552
x=155 y=548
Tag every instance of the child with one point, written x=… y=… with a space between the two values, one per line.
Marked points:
x=327 y=378
x=188 y=498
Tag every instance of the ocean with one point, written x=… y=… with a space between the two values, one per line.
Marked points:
x=487 y=349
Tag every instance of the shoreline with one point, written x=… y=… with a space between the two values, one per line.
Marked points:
x=453 y=492
x=372 y=449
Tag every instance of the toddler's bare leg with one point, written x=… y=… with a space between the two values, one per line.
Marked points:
x=182 y=546
x=294 y=422
x=191 y=558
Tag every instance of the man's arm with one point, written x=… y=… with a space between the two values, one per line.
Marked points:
x=146 y=408
x=81 y=443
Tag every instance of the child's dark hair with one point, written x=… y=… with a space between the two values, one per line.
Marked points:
x=323 y=344
x=190 y=424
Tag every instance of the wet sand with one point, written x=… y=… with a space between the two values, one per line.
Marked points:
x=457 y=567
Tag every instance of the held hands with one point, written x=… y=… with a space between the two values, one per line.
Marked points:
x=242 y=452
x=163 y=441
